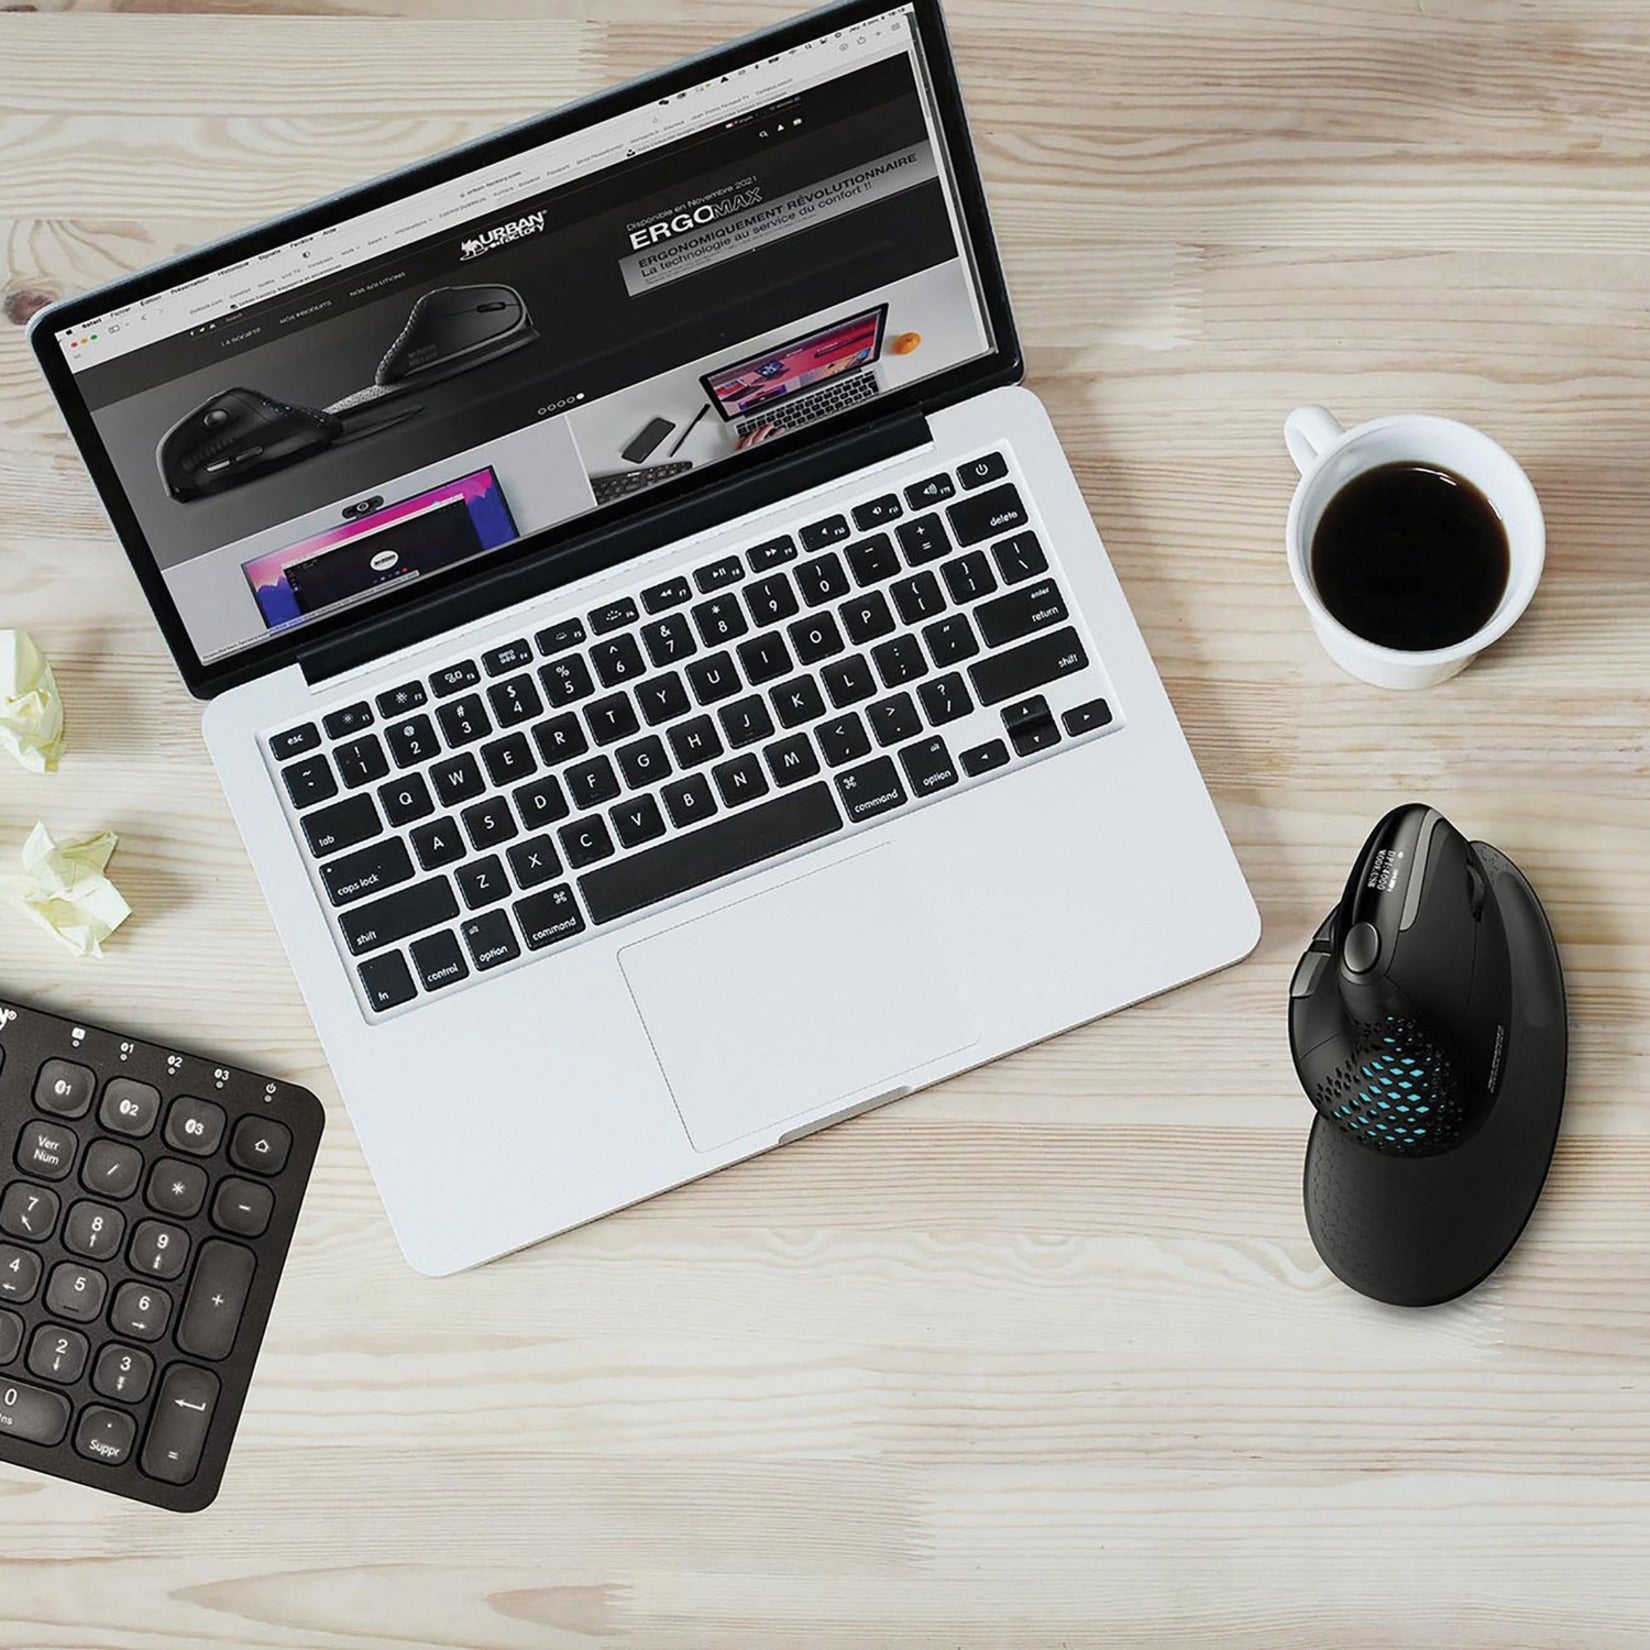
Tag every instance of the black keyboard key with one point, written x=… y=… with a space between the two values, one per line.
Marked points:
x=439 y=960
x=918 y=597
x=463 y=721
x=515 y=655
x=945 y=699
x=48 y=1150
x=670 y=640
x=1033 y=664
x=123 y=1372
x=771 y=554
x=367 y=871
x=637 y=820
x=619 y=659
x=849 y=680
x=33 y=1414
x=877 y=512
x=663 y=698
x=412 y=741
x=129 y=1107
x=720 y=620
x=771 y=599
x=928 y=766
x=924 y=539
x=482 y=882
x=387 y=981
x=672 y=593
x=1020 y=612
x=58 y=1354
x=978 y=471
x=787 y=821
x=719 y=574
x=765 y=658
x=1086 y=718
x=158 y=1250
x=489 y=823
x=871 y=789
x=823 y=580
x=1029 y=724
x=455 y=678
x=745 y=721
x=614 y=615
x=591 y=783
x=557 y=638
x=951 y=640
x=406 y=799
x=987 y=515
x=560 y=739
x=740 y=780
x=611 y=718
x=398 y=701
x=508 y=760
x=843 y=739
x=29 y=1212
x=105 y=1435
x=816 y=638
x=797 y=701
x=791 y=760
x=65 y=1088
x=985 y=758
x=541 y=803
x=294 y=742
x=899 y=660
x=585 y=841
x=820 y=533
x=515 y=701
x=969 y=577
x=397 y=916
x=212 y=1310
x=194 y=1126
x=935 y=490
x=140 y=1311
x=438 y=843
x=75 y=1293
x=548 y=917
x=93 y=1229
x=309 y=782
x=456 y=780
x=643 y=763
x=695 y=742
x=873 y=559
x=714 y=678
x=111 y=1168
x=491 y=940
x=176 y=1188
x=351 y=719
x=866 y=617
x=894 y=719
x=341 y=826
x=182 y=1418
x=19 y=1273
x=566 y=680
x=688 y=801
x=1020 y=557
x=533 y=861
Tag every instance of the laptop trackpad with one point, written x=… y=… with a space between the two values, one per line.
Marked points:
x=827 y=988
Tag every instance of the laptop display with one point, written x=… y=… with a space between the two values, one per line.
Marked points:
x=759 y=228
x=797 y=364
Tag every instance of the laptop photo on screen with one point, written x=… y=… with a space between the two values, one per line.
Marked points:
x=698 y=797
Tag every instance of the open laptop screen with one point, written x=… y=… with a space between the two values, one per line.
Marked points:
x=562 y=319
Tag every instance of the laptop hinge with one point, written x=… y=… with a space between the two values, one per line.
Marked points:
x=490 y=590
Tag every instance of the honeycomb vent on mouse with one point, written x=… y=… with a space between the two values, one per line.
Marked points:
x=1396 y=1091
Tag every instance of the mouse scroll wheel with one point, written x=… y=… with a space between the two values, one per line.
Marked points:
x=1362 y=949
x=487 y=309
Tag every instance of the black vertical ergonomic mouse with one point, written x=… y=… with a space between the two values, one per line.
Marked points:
x=235 y=435
x=1427 y=1024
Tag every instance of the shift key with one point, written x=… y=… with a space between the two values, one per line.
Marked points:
x=1021 y=670
x=410 y=911
x=217 y=1298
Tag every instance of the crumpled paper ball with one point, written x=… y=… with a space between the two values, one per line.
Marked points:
x=31 y=713
x=64 y=889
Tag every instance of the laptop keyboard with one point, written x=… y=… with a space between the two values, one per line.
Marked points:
x=533 y=792
x=618 y=484
x=807 y=409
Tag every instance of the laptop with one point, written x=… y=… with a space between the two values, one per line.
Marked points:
x=671 y=830
x=766 y=389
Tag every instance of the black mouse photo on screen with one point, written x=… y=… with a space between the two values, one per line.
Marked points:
x=1428 y=1027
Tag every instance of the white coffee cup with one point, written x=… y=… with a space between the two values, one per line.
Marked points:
x=1328 y=457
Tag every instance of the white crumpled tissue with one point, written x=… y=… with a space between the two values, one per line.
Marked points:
x=31 y=713
x=64 y=889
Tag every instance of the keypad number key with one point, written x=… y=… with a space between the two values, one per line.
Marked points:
x=140 y=1311
x=75 y=1292
x=194 y=1126
x=158 y=1250
x=123 y=1372
x=19 y=1273
x=28 y=1212
x=93 y=1231
x=58 y=1354
x=29 y=1412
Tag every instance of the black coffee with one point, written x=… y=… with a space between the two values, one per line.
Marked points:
x=1410 y=556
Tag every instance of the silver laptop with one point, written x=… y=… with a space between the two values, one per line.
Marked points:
x=614 y=844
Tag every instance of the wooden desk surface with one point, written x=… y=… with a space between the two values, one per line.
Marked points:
x=1042 y=1358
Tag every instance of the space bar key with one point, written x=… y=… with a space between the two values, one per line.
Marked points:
x=736 y=843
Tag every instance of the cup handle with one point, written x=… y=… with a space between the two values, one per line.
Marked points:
x=1307 y=431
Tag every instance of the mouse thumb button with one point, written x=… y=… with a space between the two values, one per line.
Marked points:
x=1362 y=949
